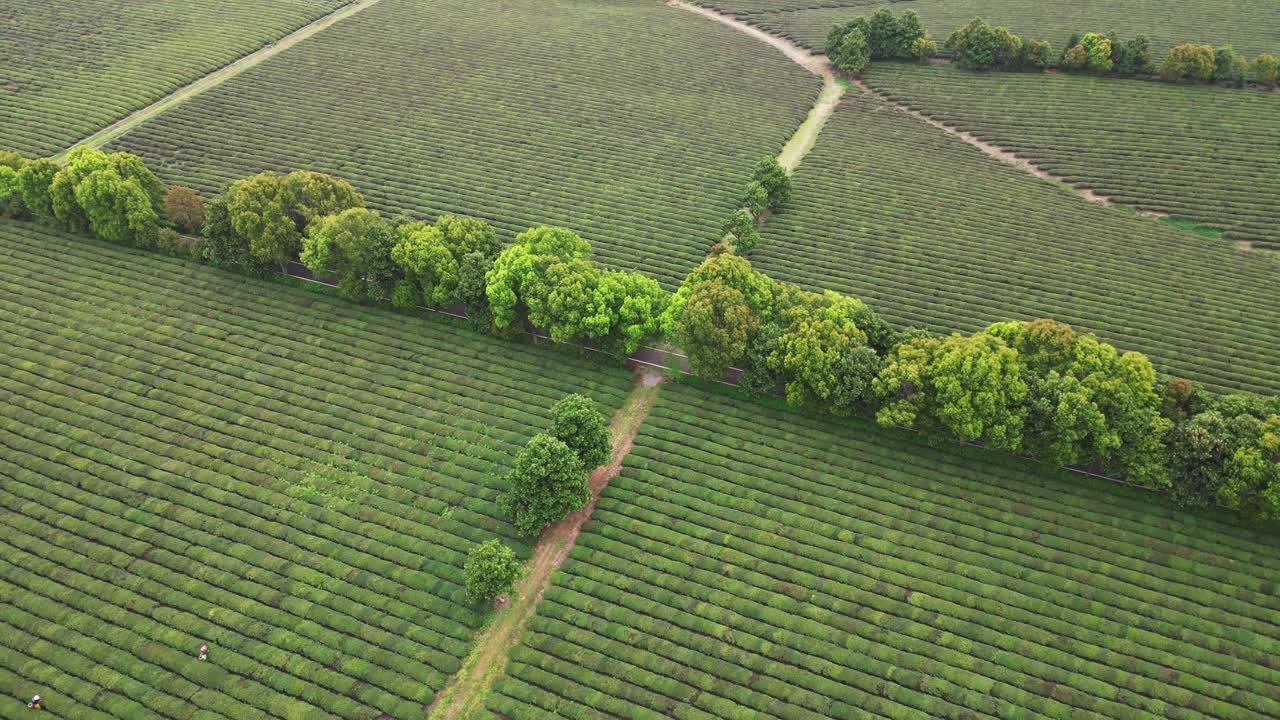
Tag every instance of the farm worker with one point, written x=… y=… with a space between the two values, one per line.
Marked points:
x=204 y=652
x=36 y=703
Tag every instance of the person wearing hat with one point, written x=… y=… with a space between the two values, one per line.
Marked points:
x=204 y=652
x=36 y=703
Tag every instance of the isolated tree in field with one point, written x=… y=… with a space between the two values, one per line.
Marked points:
x=774 y=180
x=1229 y=66
x=35 y=180
x=1188 y=61
x=354 y=246
x=273 y=211
x=548 y=481
x=742 y=226
x=576 y=422
x=490 y=571
x=184 y=208
x=968 y=386
x=1267 y=69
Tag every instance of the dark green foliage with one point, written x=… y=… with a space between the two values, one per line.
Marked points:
x=1267 y=69
x=355 y=248
x=1229 y=454
x=273 y=211
x=490 y=571
x=11 y=204
x=576 y=422
x=1229 y=66
x=852 y=55
x=975 y=45
x=742 y=226
x=547 y=482
x=775 y=182
x=1133 y=57
x=1035 y=55
x=223 y=247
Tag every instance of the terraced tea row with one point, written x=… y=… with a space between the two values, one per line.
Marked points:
x=1253 y=26
x=196 y=458
x=931 y=233
x=74 y=66
x=749 y=562
x=1200 y=153
x=593 y=117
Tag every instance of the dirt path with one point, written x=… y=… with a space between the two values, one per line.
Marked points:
x=806 y=135
x=217 y=77
x=488 y=659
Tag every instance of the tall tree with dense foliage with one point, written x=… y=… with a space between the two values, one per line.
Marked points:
x=974 y=45
x=273 y=211
x=353 y=246
x=773 y=182
x=1229 y=66
x=716 y=313
x=442 y=260
x=524 y=264
x=184 y=208
x=1188 y=61
x=124 y=198
x=547 y=481
x=837 y=35
x=35 y=182
x=822 y=353
x=576 y=422
x=490 y=571
x=969 y=387
x=852 y=55
x=1229 y=454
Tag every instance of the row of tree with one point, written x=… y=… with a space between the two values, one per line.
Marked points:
x=853 y=45
x=1035 y=388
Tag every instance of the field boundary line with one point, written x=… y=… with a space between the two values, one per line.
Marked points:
x=487 y=661
x=806 y=135
x=215 y=78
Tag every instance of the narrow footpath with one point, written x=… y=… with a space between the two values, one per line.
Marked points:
x=217 y=77
x=487 y=662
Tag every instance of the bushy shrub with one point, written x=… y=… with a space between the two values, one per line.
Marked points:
x=491 y=570
x=184 y=208
x=576 y=422
x=11 y=204
x=852 y=55
x=1229 y=66
x=1267 y=69
x=1189 y=61
x=1035 y=55
x=924 y=48
x=547 y=481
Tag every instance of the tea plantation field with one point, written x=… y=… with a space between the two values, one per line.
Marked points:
x=72 y=67
x=934 y=234
x=189 y=457
x=1253 y=26
x=630 y=122
x=753 y=563
x=1210 y=155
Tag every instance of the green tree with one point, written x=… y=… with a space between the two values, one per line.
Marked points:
x=775 y=182
x=910 y=32
x=1097 y=52
x=273 y=211
x=34 y=182
x=576 y=422
x=117 y=195
x=1075 y=58
x=824 y=357
x=11 y=205
x=970 y=387
x=1188 y=61
x=523 y=266
x=742 y=226
x=223 y=247
x=923 y=48
x=636 y=306
x=117 y=208
x=1035 y=55
x=716 y=328
x=1267 y=69
x=1229 y=66
x=1133 y=57
x=490 y=571
x=355 y=247
x=836 y=37
x=81 y=162
x=547 y=481
x=975 y=45
x=853 y=54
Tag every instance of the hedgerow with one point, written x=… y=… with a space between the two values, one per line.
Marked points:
x=205 y=461
x=750 y=562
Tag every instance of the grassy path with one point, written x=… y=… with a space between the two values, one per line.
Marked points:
x=488 y=659
x=217 y=77
x=832 y=89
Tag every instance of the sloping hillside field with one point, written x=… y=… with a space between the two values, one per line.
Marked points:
x=1210 y=155
x=1252 y=26
x=630 y=122
x=753 y=563
x=72 y=67
x=932 y=233
x=189 y=457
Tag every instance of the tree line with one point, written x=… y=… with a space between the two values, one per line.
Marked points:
x=852 y=46
x=1036 y=388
